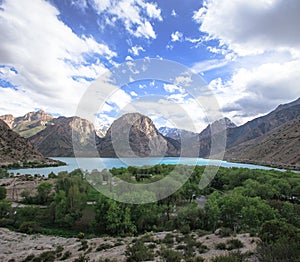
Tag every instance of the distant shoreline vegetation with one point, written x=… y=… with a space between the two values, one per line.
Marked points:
x=33 y=164
x=280 y=166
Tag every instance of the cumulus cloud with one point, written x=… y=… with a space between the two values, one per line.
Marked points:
x=134 y=14
x=263 y=40
x=172 y=88
x=51 y=61
x=177 y=36
x=252 y=27
x=135 y=50
x=253 y=92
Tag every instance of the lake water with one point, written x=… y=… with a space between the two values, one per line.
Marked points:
x=101 y=163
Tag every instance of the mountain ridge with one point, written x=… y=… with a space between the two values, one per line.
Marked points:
x=17 y=151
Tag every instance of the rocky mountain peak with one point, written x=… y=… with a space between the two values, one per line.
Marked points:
x=38 y=115
x=217 y=125
x=8 y=119
x=134 y=134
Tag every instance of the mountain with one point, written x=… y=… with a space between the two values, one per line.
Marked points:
x=64 y=133
x=18 y=151
x=217 y=126
x=101 y=130
x=176 y=133
x=279 y=147
x=260 y=126
x=134 y=134
x=29 y=124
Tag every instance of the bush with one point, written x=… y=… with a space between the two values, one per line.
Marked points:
x=281 y=250
x=84 y=245
x=2 y=192
x=48 y=256
x=138 y=252
x=170 y=255
x=104 y=247
x=234 y=244
x=168 y=240
x=232 y=257
x=185 y=229
x=66 y=255
x=30 y=227
x=221 y=246
x=224 y=232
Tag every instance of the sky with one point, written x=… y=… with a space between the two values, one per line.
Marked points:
x=246 y=52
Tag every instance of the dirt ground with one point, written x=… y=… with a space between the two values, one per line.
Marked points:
x=17 y=246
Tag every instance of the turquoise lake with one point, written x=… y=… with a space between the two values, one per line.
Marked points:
x=101 y=163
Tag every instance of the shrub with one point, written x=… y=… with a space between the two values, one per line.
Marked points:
x=30 y=227
x=84 y=245
x=48 y=256
x=2 y=192
x=234 y=244
x=138 y=252
x=168 y=240
x=231 y=257
x=66 y=255
x=282 y=250
x=170 y=255
x=185 y=229
x=103 y=247
x=221 y=246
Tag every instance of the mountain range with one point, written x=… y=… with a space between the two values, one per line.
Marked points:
x=273 y=139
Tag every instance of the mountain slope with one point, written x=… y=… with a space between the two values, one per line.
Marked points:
x=217 y=125
x=134 y=134
x=176 y=133
x=29 y=124
x=18 y=151
x=59 y=138
x=260 y=126
x=279 y=147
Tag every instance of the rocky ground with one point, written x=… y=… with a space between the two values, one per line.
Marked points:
x=17 y=247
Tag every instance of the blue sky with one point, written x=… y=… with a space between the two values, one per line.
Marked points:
x=248 y=53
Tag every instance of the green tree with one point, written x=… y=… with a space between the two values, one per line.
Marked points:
x=5 y=208
x=212 y=211
x=2 y=192
x=43 y=192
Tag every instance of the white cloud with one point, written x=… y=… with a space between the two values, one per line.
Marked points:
x=134 y=14
x=252 y=27
x=177 y=36
x=172 y=88
x=46 y=54
x=208 y=65
x=256 y=91
x=153 y=11
x=175 y=108
x=128 y=58
x=120 y=98
x=183 y=80
x=173 y=13
x=135 y=50
x=132 y=93
x=263 y=40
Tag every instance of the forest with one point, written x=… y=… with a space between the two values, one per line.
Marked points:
x=264 y=203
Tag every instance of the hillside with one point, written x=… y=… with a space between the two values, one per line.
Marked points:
x=260 y=126
x=279 y=147
x=18 y=151
x=29 y=124
x=59 y=138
